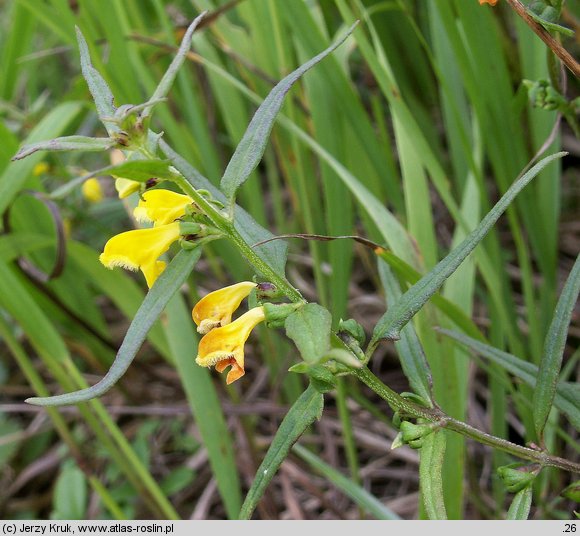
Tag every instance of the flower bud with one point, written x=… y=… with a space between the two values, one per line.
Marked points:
x=517 y=477
x=354 y=329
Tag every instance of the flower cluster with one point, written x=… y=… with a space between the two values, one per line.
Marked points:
x=140 y=249
x=222 y=344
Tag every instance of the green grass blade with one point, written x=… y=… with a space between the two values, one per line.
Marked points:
x=551 y=362
x=164 y=288
x=413 y=300
x=301 y=415
x=204 y=403
x=251 y=148
x=431 y=464
x=17 y=173
x=567 y=396
x=359 y=495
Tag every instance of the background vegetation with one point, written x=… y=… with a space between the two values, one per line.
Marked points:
x=425 y=106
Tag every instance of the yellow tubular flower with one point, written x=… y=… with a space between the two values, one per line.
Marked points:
x=126 y=187
x=224 y=347
x=92 y=190
x=216 y=309
x=161 y=206
x=140 y=249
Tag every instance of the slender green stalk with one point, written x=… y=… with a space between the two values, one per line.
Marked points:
x=435 y=415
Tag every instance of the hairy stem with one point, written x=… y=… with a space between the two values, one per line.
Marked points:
x=435 y=415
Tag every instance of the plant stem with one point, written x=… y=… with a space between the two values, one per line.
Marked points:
x=435 y=415
x=227 y=227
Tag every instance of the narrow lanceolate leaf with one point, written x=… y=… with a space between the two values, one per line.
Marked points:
x=567 y=397
x=521 y=504
x=301 y=415
x=142 y=170
x=309 y=328
x=167 y=81
x=551 y=361
x=391 y=323
x=102 y=95
x=251 y=148
x=430 y=481
x=164 y=288
x=66 y=143
x=409 y=347
x=358 y=494
x=274 y=253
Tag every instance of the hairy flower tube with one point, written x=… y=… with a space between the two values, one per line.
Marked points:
x=161 y=206
x=224 y=346
x=140 y=249
x=216 y=309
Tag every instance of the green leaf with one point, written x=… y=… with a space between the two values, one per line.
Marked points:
x=177 y=480
x=567 y=397
x=431 y=464
x=102 y=95
x=251 y=148
x=70 y=494
x=550 y=26
x=521 y=504
x=14 y=245
x=66 y=143
x=142 y=170
x=167 y=81
x=391 y=323
x=409 y=347
x=274 y=253
x=358 y=494
x=301 y=415
x=309 y=328
x=164 y=288
x=555 y=342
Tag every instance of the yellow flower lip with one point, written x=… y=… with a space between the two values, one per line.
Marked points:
x=161 y=206
x=140 y=249
x=216 y=308
x=224 y=346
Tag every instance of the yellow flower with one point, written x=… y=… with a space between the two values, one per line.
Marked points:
x=40 y=169
x=92 y=190
x=161 y=206
x=140 y=249
x=490 y=2
x=126 y=187
x=216 y=309
x=224 y=347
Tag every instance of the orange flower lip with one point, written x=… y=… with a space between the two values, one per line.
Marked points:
x=224 y=346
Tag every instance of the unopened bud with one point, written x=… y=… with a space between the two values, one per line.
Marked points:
x=517 y=477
